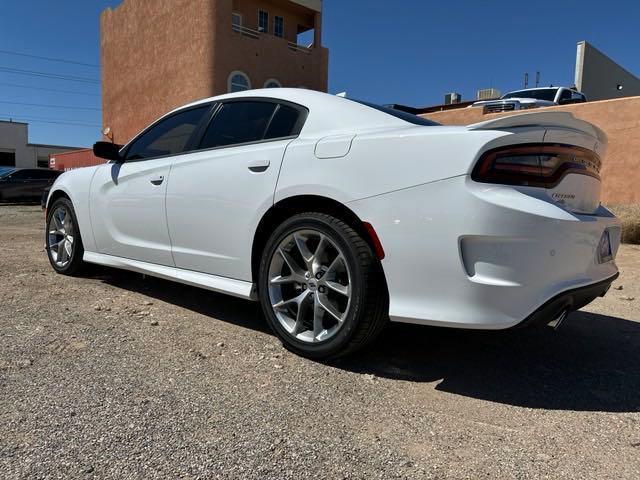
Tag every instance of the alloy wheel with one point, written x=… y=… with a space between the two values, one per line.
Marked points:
x=310 y=286
x=61 y=236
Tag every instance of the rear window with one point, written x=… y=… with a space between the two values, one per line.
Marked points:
x=6 y=171
x=407 y=117
x=548 y=94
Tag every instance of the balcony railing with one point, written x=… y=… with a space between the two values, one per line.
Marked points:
x=255 y=34
x=299 y=48
x=247 y=32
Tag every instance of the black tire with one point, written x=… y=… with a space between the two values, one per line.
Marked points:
x=75 y=264
x=368 y=312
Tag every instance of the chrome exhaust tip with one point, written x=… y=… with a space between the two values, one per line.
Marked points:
x=555 y=323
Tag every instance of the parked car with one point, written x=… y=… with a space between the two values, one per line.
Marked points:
x=44 y=197
x=338 y=215
x=25 y=184
x=532 y=98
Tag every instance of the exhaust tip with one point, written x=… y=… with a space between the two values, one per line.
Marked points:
x=556 y=322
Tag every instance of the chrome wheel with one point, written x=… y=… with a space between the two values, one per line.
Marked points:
x=61 y=236
x=309 y=286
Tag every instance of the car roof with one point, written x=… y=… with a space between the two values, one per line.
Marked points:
x=352 y=115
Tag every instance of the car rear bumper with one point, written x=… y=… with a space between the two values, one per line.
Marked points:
x=567 y=302
x=466 y=255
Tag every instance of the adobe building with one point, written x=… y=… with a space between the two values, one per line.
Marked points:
x=160 y=54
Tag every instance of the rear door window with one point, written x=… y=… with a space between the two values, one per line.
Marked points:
x=237 y=123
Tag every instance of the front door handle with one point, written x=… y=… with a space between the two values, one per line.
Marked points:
x=258 y=165
x=157 y=180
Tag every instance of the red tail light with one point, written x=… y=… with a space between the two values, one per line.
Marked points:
x=535 y=164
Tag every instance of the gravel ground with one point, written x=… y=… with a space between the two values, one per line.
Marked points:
x=116 y=376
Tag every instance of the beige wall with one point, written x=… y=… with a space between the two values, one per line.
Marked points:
x=619 y=118
x=597 y=76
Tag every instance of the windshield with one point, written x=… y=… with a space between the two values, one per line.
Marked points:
x=4 y=171
x=548 y=94
x=407 y=117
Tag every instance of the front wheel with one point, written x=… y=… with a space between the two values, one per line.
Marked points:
x=63 y=240
x=321 y=287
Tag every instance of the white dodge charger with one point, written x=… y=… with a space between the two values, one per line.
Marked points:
x=339 y=215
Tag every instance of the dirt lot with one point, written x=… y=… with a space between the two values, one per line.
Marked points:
x=114 y=376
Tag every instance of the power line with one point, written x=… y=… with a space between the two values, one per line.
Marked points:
x=66 y=107
x=55 y=119
x=33 y=73
x=15 y=85
x=50 y=59
x=54 y=122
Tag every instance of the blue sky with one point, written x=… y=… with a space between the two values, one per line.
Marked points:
x=401 y=51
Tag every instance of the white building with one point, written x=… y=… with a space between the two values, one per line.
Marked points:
x=16 y=151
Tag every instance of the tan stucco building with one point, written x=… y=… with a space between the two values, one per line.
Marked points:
x=160 y=54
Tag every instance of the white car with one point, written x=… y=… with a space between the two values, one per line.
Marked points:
x=531 y=98
x=338 y=215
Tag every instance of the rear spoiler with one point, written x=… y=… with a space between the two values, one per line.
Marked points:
x=543 y=119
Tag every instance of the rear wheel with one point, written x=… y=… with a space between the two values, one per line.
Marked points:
x=63 y=240
x=321 y=287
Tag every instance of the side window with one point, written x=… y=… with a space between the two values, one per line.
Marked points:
x=565 y=96
x=21 y=175
x=238 y=122
x=284 y=124
x=39 y=175
x=578 y=97
x=168 y=137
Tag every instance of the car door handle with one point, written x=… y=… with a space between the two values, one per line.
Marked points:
x=157 y=180
x=258 y=165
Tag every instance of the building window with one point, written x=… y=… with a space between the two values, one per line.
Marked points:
x=278 y=26
x=7 y=158
x=263 y=21
x=238 y=82
x=272 y=83
x=236 y=21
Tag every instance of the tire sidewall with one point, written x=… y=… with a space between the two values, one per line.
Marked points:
x=338 y=342
x=78 y=250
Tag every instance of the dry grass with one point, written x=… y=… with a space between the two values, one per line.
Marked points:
x=630 y=217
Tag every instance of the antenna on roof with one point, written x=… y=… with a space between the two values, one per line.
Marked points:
x=342 y=94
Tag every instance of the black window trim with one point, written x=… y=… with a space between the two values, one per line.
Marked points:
x=302 y=119
x=195 y=140
x=187 y=148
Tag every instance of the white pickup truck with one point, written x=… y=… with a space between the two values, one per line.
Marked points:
x=531 y=98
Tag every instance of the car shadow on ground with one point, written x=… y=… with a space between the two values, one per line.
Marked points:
x=592 y=363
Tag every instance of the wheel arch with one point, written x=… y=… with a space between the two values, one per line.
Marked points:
x=55 y=195
x=294 y=205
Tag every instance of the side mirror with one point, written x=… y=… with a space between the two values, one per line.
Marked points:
x=107 y=150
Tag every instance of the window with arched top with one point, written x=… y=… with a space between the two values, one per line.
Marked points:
x=272 y=83
x=238 y=82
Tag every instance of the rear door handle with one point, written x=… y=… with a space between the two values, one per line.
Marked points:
x=258 y=165
x=158 y=180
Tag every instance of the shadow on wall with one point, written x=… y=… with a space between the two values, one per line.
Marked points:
x=591 y=364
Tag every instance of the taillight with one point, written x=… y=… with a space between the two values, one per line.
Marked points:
x=535 y=164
